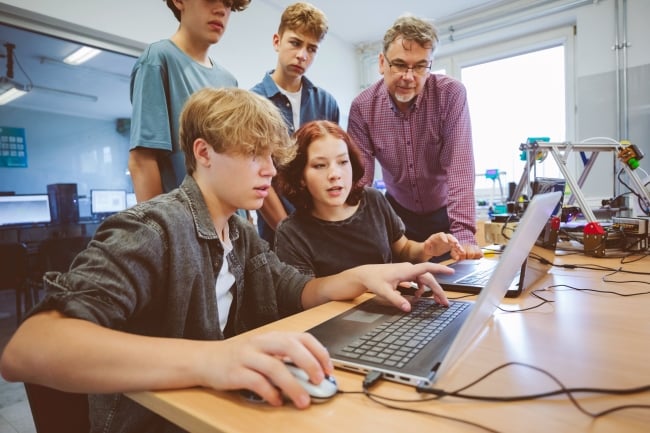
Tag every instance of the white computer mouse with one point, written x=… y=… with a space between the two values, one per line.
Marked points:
x=318 y=393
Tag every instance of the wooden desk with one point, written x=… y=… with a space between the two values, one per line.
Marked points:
x=585 y=339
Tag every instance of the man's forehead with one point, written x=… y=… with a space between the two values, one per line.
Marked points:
x=408 y=44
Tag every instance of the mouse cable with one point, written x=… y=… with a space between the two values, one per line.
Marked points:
x=371 y=379
x=439 y=393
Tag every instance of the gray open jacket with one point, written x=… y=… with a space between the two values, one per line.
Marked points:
x=152 y=270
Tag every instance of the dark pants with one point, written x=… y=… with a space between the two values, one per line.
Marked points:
x=420 y=227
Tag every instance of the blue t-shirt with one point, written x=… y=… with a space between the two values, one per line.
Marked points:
x=162 y=80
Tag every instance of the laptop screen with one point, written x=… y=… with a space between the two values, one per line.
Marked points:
x=24 y=209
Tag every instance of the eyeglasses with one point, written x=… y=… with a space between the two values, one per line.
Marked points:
x=403 y=68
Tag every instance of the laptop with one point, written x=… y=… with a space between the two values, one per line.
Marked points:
x=433 y=346
x=471 y=276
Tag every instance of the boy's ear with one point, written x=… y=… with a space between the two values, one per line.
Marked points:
x=202 y=152
x=276 y=41
x=179 y=5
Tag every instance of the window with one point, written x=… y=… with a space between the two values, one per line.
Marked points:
x=516 y=90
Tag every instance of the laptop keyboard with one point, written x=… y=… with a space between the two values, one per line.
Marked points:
x=394 y=343
x=478 y=278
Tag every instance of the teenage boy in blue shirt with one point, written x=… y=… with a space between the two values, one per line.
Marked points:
x=301 y=30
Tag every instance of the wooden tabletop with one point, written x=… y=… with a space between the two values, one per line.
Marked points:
x=584 y=338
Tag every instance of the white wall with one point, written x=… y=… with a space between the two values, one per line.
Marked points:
x=245 y=49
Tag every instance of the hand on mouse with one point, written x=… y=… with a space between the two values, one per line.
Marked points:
x=256 y=363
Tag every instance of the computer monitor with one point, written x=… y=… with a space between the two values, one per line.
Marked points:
x=24 y=209
x=104 y=202
x=130 y=199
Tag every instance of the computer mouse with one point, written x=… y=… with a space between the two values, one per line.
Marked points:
x=318 y=393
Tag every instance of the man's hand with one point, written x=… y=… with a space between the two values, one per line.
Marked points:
x=469 y=251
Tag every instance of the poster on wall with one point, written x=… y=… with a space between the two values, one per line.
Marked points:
x=13 y=147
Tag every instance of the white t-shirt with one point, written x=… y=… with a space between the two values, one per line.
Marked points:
x=295 y=99
x=225 y=280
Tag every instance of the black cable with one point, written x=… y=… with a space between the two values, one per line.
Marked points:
x=436 y=394
x=521 y=310
x=643 y=204
x=439 y=393
x=373 y=377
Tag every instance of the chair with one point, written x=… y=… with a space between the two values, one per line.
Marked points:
x=57 y=254
x=14 y=274
x=56 y=411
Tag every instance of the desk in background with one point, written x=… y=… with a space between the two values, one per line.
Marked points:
x=585 y=339
x=34 y=235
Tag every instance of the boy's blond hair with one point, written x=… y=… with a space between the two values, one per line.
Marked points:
x=234 y=121
x=234 y=5
x=304 y=18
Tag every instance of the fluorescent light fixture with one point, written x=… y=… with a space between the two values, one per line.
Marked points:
x=10 y=90
x=81 y=55
x=10 y=95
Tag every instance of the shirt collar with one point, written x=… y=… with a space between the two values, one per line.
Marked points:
x=271 y=89
x=201 y=214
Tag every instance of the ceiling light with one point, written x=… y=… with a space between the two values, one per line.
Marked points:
x=10 y=90
x=81 y=55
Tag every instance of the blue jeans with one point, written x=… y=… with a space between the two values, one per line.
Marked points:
x=420 y=227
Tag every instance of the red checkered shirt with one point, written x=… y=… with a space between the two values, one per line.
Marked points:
x=426 y=155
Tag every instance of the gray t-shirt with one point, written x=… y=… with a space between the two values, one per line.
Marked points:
x=322 y=248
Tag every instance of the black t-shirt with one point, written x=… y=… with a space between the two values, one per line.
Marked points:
x=322 y=248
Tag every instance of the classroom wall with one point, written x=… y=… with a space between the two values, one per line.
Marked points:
x=66 y=149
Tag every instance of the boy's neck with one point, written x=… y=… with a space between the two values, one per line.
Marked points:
x=197 y=51
x=289 y=84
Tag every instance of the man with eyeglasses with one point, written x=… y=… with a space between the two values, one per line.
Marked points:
x=417 y=126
